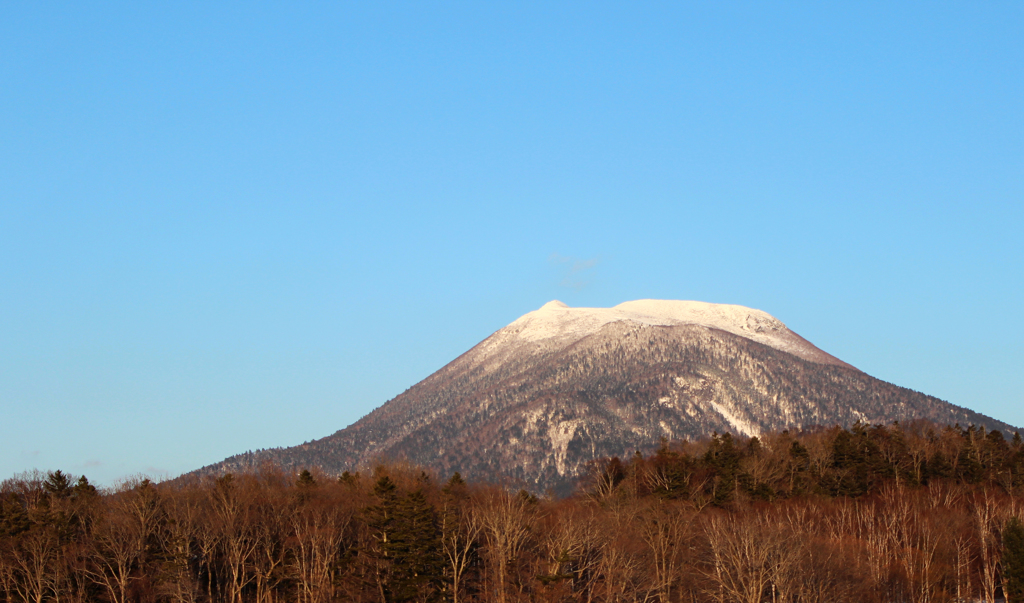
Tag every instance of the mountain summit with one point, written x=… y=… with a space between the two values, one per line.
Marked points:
x=560 y=386
x=557 y=321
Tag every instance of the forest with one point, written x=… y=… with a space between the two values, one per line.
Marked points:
x=885 y=513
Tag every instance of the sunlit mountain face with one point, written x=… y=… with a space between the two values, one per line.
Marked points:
x=536 y=401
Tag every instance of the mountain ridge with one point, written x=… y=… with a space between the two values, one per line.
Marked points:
x=558 y=387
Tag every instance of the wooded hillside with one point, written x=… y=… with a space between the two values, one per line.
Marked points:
x=884 y=513
x=539 y=414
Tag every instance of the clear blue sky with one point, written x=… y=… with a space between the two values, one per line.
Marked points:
x=241 y=226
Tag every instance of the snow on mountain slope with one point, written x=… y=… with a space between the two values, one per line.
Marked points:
x=557 y=321
x=540 y=398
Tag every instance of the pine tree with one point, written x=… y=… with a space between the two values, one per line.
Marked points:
x=305 y=485
x=1013 y=560
x=305 y=479
x=418 y=547
x=968 y=467
x=14 y=517
x=724 y=457
x=83 y=489
x=938 y=466
x=667 y=466
x=348 y=479
x=58 y=484
x=799 y=464
x=455 y=484
x=408 y=551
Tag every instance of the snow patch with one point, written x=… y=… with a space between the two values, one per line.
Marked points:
x=560 y=434
x=743 y=426
x=667 y=430
x=531 y=420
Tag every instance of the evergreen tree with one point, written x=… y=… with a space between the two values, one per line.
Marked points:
x=968 y=467
x=381 y=517
x=54 y=509
x=668 y=465
x=858 y=462
x=305 y=479
x=84 y=490
x=418 y=546
x=455 y=488
x=58 y=484
x=14 y=517
x=305 y=483
x=1013 y=560
x=938 y=467
x=409 y=564
x=799 y=464
x=723 y=457
x=348 y=479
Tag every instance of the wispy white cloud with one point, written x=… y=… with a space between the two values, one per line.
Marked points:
x=576 y=273
x=158 y=473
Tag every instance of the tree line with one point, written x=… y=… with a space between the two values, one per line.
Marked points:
x=895 y=513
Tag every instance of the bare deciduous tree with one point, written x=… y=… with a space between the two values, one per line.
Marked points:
x=460 y=533
x=233 y=514
x=319 y=529
x=506 y=520
x=117 y=544
x=664 y=527
x=752 y=557
x=573 y=545
x=986 y=523
x=178 y=536
x=31 y=562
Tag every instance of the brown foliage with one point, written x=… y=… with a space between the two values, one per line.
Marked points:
x=873 y=514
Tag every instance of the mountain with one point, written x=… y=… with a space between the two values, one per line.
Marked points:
x=560 y=386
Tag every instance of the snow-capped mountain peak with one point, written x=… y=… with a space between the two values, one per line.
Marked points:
x=555 y=320
x=540 y=398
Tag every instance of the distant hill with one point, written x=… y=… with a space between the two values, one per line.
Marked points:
x=560 y=386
